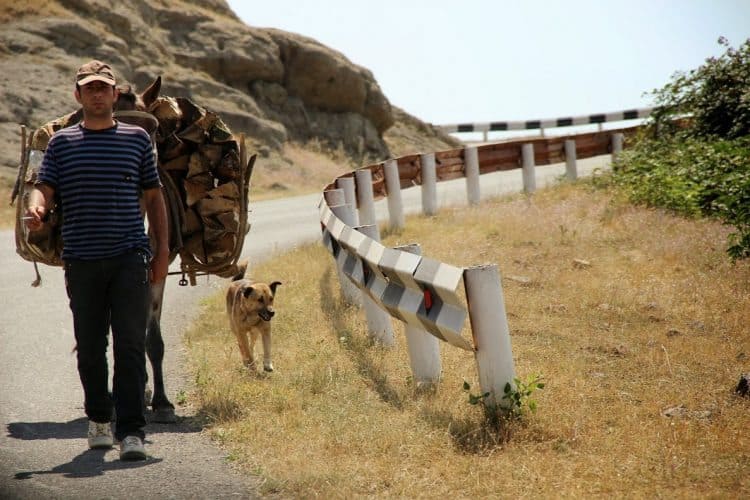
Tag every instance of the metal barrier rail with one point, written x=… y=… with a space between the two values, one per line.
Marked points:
x=424 y=293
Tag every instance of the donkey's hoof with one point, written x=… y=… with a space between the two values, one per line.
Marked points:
x=268 y=367
x=164 y=416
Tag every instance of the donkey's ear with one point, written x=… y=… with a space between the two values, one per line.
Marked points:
x=150 y=95
x=248 y=291
x=273 y=286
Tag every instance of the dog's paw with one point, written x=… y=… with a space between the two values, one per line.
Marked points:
x=268 y=367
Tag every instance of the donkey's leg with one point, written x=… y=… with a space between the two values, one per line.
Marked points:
x=163 y=410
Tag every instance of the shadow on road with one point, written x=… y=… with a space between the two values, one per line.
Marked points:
x=90 y=463
x=77 y=429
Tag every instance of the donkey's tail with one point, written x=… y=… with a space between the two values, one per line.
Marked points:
x=241 y=268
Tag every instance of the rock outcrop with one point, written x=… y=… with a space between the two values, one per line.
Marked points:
x=273 y=85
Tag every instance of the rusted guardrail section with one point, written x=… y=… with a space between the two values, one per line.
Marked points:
x=424 y=293
x=451 y=164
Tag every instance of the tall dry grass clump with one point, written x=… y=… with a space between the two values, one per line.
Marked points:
x=636 y=319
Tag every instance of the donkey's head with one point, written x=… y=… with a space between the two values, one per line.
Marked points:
x=133 y=108
x=129 y=100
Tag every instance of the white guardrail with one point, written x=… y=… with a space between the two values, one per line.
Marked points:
x=541 y=125
x=423 y=293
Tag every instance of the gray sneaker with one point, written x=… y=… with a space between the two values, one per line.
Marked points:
x=131 y=448
x=100 y=435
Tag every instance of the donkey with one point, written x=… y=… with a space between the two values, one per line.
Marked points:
x=131 y=107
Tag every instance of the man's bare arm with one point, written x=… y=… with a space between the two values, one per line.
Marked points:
x=156 y=211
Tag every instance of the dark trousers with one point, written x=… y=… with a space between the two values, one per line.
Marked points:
x=112 y=292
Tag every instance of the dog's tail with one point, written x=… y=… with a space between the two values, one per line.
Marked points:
x=241 y=268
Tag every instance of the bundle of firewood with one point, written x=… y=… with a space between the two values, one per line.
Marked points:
x=202 y=164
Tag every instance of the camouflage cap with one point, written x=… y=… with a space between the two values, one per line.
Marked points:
x=95 y=70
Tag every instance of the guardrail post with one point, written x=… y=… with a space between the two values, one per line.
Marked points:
x=617 y=140
x=379 y=324
x=349 y=290
x=424 y=348
x=365 y=197
x=571 y=168
x=529 y=176
x=429 y=184
x=471 y=168
x=334 y=197
x=489 y=326
x=393 y=186
x=350 y=197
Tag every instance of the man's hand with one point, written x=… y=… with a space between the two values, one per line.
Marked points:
x=159 y=267
x=39 y=199
x=35 y=216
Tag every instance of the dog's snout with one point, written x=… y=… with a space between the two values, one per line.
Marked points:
x=266 y=313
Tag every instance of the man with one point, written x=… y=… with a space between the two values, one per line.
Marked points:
x=97 y=170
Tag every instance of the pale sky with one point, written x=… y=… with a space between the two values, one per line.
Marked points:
x=482 y=60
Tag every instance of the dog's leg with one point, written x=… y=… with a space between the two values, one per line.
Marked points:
x=267 y=363
x=245 y=350
x=253 y=333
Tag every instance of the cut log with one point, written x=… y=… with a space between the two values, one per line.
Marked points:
x=212 y=206
x=172 y=147
x=229 y=220
x=193 y=133
x=166 y=109
x=229 y=168
x=190 y=111
x=212 y=153
x=179 y=163
x=192 y=223
x=226 y=190
x=196 y=188
x=194 y=247
x=198 y=165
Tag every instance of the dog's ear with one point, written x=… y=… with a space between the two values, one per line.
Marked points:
x=274 y=285
x=248 y=291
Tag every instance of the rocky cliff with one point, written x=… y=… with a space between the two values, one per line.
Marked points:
x=275 y=86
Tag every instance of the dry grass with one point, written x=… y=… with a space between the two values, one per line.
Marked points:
x=659 y=319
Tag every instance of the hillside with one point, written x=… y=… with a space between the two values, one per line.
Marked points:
x=283 y=90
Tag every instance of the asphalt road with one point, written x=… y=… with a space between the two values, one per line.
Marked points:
x=43 y=452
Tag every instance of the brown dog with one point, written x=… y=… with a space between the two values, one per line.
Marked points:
x=250 y=309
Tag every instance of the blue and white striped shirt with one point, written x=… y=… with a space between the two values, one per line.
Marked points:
x=98 y=176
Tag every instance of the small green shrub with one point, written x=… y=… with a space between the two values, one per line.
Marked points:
x=519 y=394
x=516 y=395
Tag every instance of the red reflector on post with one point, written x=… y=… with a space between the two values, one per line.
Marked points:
x=427 y=300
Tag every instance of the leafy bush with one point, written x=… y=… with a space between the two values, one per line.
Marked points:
x=699 y=165
x=695 y=178
x=716 y=96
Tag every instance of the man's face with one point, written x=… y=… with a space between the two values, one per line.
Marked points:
x=97 y=99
